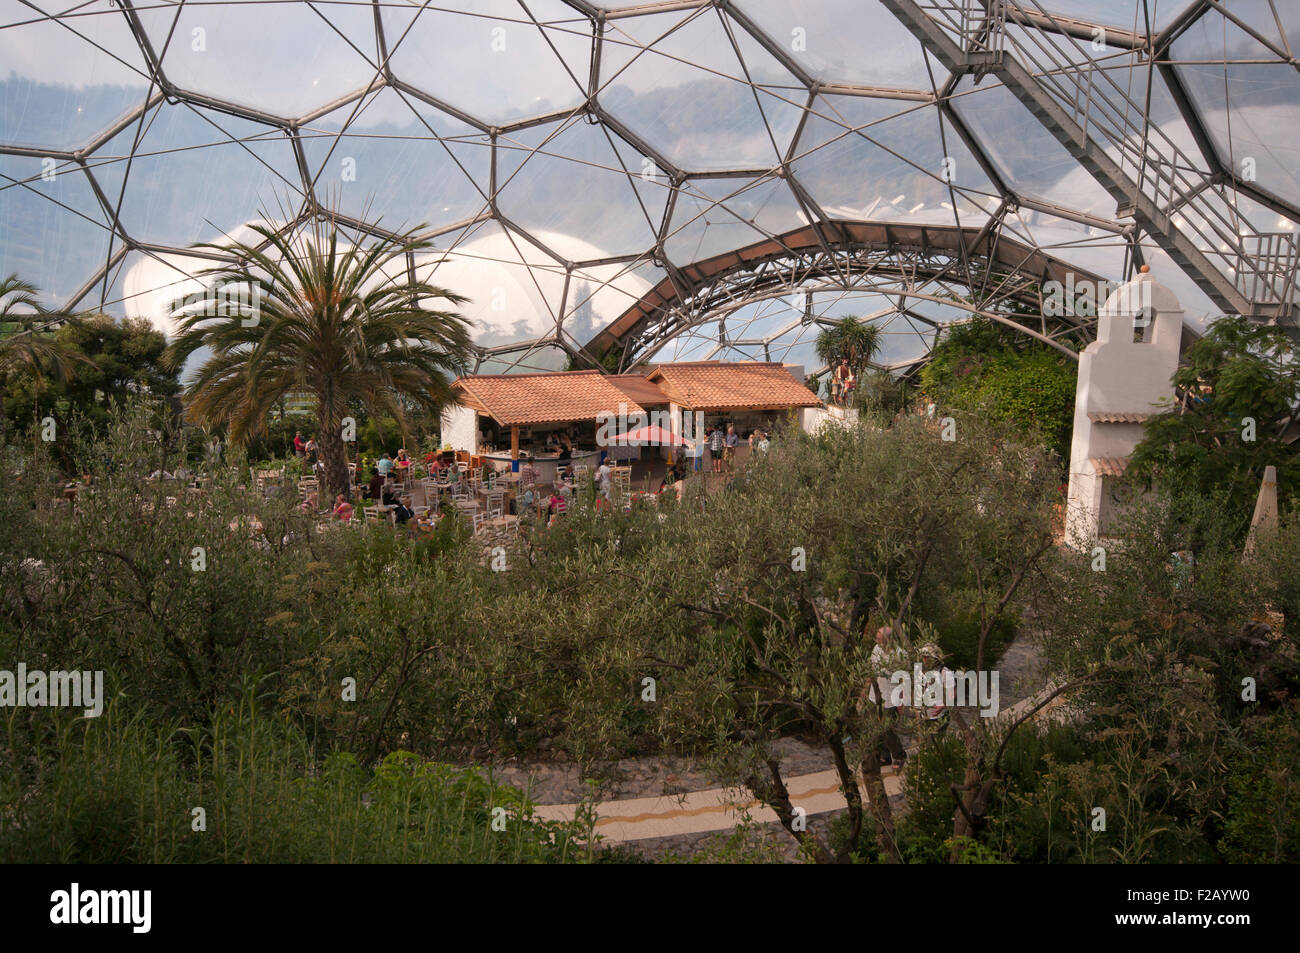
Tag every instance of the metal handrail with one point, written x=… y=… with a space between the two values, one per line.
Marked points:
x=1160 y=172
x=1160 y=169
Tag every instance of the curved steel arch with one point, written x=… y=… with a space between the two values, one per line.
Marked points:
x=993 y=268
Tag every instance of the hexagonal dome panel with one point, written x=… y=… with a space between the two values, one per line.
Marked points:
x=699 y=90
x=497 y=60
x=67 y=72
x=605 y=179
x=285 y=59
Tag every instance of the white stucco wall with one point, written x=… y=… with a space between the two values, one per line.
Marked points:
x=1119 y=375
x=460 y=428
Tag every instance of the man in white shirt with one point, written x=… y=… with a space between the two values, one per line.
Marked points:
x=604 y=475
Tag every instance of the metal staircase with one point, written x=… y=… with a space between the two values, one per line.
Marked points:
x=1244 y=271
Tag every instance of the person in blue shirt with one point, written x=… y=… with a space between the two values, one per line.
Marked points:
x=385 y=465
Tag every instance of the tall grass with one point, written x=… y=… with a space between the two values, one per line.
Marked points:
x=120 y=789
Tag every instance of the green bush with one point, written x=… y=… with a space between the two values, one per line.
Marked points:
x=117 y=790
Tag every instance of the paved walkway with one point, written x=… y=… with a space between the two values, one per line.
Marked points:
x=716 y=809
x=719 y=809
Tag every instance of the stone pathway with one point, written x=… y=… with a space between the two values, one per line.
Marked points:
x=715 y=809
x=681 y=807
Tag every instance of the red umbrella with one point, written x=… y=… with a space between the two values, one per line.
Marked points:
x=651 y=435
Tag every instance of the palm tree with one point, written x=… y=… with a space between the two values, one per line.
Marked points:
x=300 y=313
x=850 y=339
x=27 y=344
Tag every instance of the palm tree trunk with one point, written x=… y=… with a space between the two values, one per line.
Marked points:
x=332 y=451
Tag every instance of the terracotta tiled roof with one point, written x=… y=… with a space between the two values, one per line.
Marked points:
x=1109 y=466
x=720 y=385
x=639 y=388
x=1107 y=417
x=512 y=399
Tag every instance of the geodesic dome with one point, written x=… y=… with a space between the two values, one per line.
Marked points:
x=686 y=180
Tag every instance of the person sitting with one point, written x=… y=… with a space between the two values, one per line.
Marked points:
x=385 y=465
x=403 y=459
x=309 y=505
x=402 y=511
x=528 y=473
x=342 y=508
x=558 y=504
x=375 y=487
x=389 y=495
x=524 y=501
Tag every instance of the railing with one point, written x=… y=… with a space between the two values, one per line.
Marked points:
x=1109 y=117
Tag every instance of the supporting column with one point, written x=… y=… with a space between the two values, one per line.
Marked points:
x=514 y=449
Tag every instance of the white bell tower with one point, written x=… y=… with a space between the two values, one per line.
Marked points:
x=1123 y=375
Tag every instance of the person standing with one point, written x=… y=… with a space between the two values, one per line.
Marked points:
x=299 y=445
x=887 y=658
x=604 y=477
x=730 y=442
x=715 y=448
x=311 y=449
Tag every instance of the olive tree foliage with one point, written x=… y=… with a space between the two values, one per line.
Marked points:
x=1181 y=653
x=158 y=586
x=753 y=608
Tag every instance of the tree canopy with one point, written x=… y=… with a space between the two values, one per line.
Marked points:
x=986 y=367
x=1237 y=396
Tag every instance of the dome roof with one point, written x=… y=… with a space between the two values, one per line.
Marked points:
x=567 y=157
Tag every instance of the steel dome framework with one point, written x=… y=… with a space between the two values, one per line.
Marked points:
x=690 y=179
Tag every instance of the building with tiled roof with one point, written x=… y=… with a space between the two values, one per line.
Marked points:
x=523 y=410
x=718 y=386
x=531 y=399
x=640 y=389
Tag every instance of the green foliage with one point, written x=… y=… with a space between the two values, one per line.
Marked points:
x=379 y=435
x=107 y=361
x=849 y=339
x=985 y=367
x=1262 y=825
x=455 y=663
x=118 y=790
x=1197 y=449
